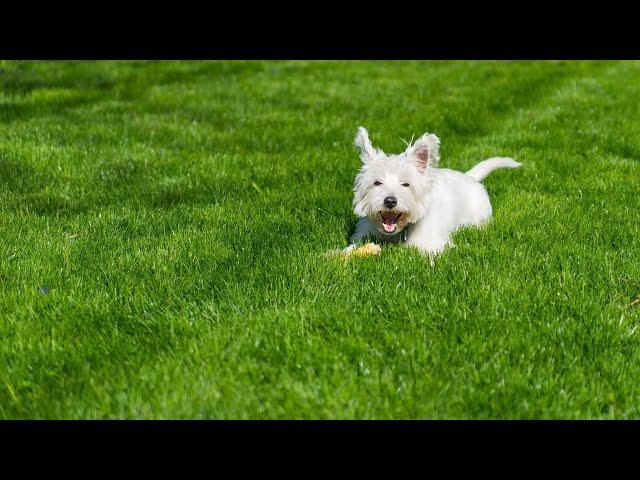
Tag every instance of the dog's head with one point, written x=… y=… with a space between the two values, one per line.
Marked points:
x=389 y=189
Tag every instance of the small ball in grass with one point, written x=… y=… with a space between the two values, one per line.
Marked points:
x=368 y=249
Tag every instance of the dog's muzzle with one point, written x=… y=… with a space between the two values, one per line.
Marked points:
x=390 y=220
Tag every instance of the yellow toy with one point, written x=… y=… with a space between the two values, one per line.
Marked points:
x=365 y=250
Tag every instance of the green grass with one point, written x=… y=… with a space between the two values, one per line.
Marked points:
x=163 y=226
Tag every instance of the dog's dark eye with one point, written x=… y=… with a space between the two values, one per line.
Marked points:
x=377 y=182
x=405 y=184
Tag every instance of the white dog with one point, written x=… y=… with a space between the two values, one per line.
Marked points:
x=406 y=198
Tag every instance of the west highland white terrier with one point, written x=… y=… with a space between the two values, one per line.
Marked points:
x=405 y=198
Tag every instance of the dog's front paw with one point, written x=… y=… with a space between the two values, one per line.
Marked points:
x=368 y=249
x=363 y=251
x=349 y=250
x=431 y=251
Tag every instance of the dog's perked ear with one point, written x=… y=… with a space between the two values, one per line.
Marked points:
x=425 y=151
x=363 y=144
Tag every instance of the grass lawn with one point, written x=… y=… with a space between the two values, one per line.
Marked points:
x=163 y=226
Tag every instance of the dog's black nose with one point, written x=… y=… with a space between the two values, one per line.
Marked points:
x=390 y=202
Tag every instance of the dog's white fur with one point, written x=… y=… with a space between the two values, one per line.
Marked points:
x=433 y=202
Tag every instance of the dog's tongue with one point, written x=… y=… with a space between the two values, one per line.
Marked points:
x=389 y=221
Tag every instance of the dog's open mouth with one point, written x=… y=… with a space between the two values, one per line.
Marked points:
x=390 y=220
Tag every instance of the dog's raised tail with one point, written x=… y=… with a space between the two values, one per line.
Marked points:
x=484 y=168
